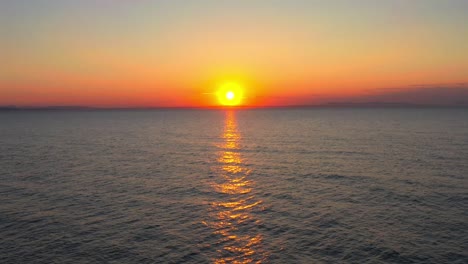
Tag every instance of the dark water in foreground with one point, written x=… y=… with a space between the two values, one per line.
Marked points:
x=270 y=186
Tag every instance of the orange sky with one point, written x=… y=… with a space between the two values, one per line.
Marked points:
x=143 y=53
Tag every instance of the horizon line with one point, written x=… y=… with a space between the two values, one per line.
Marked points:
x=239 y=107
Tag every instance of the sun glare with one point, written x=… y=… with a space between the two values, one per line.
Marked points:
x=230 y=94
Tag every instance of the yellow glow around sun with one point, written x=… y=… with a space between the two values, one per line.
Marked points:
x=230 y=94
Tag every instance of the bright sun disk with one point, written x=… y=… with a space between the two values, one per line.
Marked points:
x=230 y=94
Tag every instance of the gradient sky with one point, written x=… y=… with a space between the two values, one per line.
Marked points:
x=120 y=53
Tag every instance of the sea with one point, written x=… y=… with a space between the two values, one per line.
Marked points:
x=318 y=185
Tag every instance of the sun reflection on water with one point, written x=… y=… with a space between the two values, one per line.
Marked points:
x=232 y=215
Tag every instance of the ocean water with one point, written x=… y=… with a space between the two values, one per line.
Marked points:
x=238 y=186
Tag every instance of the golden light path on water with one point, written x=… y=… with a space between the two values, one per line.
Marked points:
x=232 y=216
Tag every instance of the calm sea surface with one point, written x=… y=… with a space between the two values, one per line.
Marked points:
x=245 y=186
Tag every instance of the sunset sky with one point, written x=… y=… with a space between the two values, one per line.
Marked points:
x=116 y=53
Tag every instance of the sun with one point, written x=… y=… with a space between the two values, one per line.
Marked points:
x=230 y=94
